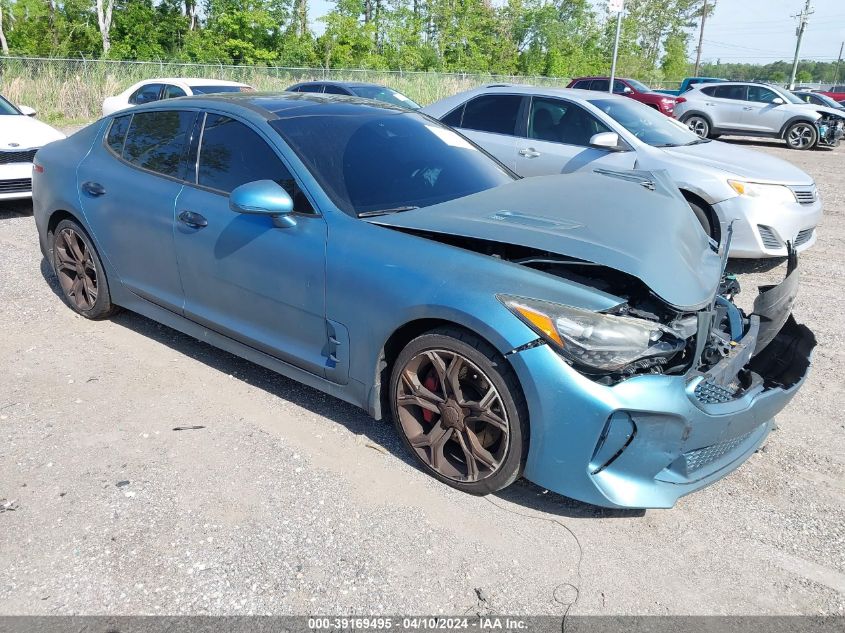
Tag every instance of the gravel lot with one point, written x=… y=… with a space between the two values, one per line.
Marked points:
x=287 y=501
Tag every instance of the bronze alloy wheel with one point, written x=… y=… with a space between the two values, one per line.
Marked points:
x=452 y=415
x=76 y=270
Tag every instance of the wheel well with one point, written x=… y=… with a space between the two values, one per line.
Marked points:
x=699 y=114
x=57 y=217
x=397 y=341
x=652 y=105
x=712 y=216
x=793 y=121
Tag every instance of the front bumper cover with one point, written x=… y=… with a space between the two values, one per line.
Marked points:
x=677 y=433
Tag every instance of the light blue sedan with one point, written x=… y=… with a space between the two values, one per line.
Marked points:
x=576 y=330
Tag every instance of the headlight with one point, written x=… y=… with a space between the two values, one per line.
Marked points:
x=774 y=193
x=599 y=341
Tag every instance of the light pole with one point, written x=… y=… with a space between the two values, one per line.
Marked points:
x=617 y=6
x=802 y=24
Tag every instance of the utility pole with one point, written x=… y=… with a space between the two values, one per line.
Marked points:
x=618 y=6
x=838 y=61
x=802 y=24
x=700 y=39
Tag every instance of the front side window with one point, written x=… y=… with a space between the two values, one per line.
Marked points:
x=559 y=121
x=232 y=154
x=761 y=94
x=146 y=94
x=619 y=87
x=497 y=114
x=171 y=92
x=380 y=161
x=157 y=141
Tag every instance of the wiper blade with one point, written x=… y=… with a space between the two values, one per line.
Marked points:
x=698 y=141
x=372 y=214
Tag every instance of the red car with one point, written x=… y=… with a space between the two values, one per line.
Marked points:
x=629 y=88
x=837 y=93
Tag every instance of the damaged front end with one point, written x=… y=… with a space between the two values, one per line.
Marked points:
x=831 y=129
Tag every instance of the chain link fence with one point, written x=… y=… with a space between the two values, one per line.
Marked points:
x=72 y=90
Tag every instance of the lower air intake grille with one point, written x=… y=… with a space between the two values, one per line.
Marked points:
x=24 y=156
x=803 y=236
x=701 y=457
x=16 y=185
x=770 y=240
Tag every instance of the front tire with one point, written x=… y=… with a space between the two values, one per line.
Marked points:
x=459 y=409
x=80 y=272
x=698 y=124
x=801 y=135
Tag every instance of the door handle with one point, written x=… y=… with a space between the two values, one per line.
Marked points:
x=94 y=189
x=529 y=152
x=192 y=219
x=747 y=108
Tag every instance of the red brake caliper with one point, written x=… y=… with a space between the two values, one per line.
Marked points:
x=432 y=383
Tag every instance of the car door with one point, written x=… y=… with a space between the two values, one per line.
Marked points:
x=724 y=105
x=558 y=141
x=760 y=114
x=491 y=121
x=128 y=187
x=242 y=276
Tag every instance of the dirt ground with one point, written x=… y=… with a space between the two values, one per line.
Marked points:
x=288 y=501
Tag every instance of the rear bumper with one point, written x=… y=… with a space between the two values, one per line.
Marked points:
x=761 y=229
x=664 y=436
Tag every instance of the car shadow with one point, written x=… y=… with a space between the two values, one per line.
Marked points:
x=15 y=209
x=746 y=266
x=382 y=434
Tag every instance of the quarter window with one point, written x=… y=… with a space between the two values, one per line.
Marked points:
x=146 y=94
x=232 y=154
x=117 y=133
x=492 y=113
x=157 y=141
x=454 y=117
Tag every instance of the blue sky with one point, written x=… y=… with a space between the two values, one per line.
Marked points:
x=755 y=31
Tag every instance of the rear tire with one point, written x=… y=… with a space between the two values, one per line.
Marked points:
x=80 y=272
x=698 y=124
x=459 y=409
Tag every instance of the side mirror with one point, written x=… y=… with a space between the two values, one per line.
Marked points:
x=627 y=90
x=26 y=110
x=605 y=140
x=264 y=197
x=778 y=101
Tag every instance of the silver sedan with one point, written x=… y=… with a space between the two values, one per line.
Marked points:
x=537 y=131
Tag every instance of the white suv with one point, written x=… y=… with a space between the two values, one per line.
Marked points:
x=752 y=109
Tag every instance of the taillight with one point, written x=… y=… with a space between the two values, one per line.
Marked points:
x=38 y=169
x=680 y=100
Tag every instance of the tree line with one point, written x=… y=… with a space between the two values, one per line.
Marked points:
x=558 y=38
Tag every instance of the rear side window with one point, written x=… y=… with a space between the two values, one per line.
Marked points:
x=157 y=141
x=584 y=84
x=492 y=113
x=335 y=90
x=117 y=133
x=232 y=154
x=738 y=93
x=602 y=85
x=146 y=94
x=171 y=91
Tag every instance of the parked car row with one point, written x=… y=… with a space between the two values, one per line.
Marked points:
x=575 y=327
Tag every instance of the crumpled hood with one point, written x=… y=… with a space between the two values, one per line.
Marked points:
x=601 y=218
x=825 y=110
x=27 y=132
x=742 y=162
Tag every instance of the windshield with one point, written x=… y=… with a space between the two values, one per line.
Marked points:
x=7 y=108
x=211 y=89
x=824 y=99
x=380 y=161
x=788 y=96
x=647 y=124
x=380 y=93
x=639 y=87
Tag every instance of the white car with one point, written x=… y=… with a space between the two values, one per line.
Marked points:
x=168 y=88
x=20 y=137
x=540 y=131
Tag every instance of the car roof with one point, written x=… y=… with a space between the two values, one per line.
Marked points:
x=525 y=89
x=193 y=81
x=279 y=105
x=342 y=84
